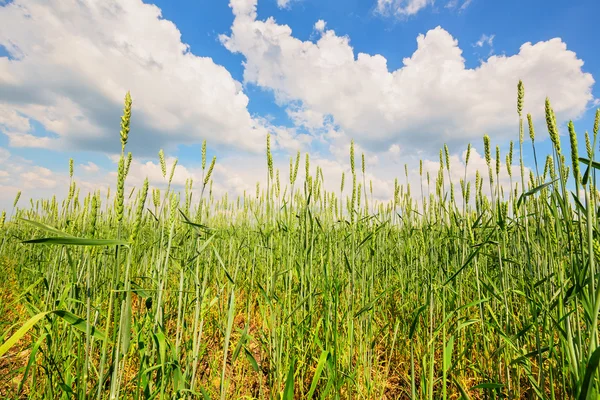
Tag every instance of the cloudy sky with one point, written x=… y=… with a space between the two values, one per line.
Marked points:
x=400 y=77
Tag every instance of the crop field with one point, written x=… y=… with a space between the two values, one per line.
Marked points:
x=295 y=292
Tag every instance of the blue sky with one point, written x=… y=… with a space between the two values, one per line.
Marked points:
x=300 y=78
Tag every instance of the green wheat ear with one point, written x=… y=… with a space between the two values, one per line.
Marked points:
x=210 y=170
x=17 y=197
x=163 y=164
x=120 y=189
x=71 y=168
x=497 y=160
x=139 y=212
x=447 y=156
x=128 y=163
x=203 y=154
x=596 y=122
x=363 y=163
x=270 y=156
x=551 y=123
x=531 y=130
x=125 y=121
x=520 y=96
x=574 y=151
x=468 y=154
x=509 y=158
x=173 y=170
x=588 y=145
x=352 y=156
x=486 y=149
x=307 y=166
x=2 y=219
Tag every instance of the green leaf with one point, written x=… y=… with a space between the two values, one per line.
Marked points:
x=251 y=360
x=534 y=191
x=488 y=385
x=74 y=241
x=587 y=161
x=31 y=361
x=586 y=176
x=590 y=371
x=320 y=366
x=288 y=393
x=70 y=318
x=22 y=331
x=205 y=395
x=413 y=324
x=448 y=354
x=78 y=323
x=45 y=227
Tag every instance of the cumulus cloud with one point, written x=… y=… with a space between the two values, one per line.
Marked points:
x=432 y=99
x=320 y=25
x=72 y=78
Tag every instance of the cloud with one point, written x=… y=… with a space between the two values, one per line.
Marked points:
x=485 y=40
x=320 y=25
x=72 y=78
x=285 y=3
x=401 y=7
x=452 y=4
x=432 y=99
x=89 y=167
x=407 y=8
x=465 y=4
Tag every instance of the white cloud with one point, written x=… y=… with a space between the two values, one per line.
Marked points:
x=394 y=149
x=401 y=7
x=433 y=98
x=72 y=77
x=407 y=8
x=465 y=4
x=89 y=167
x=285 y=3
x=38 y=177
x=320 y=25
x=454 y=3
x=485 y=40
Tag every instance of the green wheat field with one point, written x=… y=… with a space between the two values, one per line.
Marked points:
x=295 y=292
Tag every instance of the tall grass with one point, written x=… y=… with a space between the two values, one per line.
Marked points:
x=282 y=294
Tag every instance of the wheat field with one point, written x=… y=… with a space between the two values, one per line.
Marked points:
x=295 y=292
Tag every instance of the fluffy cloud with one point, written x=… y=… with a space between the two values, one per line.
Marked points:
x=72 y=78
x=432 y=99
x=320 y=25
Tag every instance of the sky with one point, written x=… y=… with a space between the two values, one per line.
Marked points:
x=399 y=77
